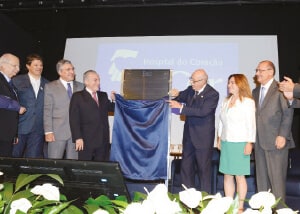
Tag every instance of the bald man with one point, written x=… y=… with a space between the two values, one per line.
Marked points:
x=198 y=104
x=9 y=67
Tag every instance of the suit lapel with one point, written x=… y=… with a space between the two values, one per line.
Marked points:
x=270 y=92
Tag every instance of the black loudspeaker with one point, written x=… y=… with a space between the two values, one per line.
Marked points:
x=146 y=84
x=82 y=179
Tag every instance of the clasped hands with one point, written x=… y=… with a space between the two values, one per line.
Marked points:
x=287 y=87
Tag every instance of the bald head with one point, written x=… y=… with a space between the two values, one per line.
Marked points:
x=198 y=79
x=9 y=64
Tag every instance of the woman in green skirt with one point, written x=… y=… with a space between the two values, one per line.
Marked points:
x=236 y=133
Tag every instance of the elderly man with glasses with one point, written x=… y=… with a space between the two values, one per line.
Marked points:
x=198 y=104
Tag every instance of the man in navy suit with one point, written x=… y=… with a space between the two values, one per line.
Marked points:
x=9 y=67
x=198 y=104
x=30 y=90
x=89 y=119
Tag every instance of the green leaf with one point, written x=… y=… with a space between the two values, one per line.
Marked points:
x=138 y=196
x=24 y=179
x=57 y=178
x=122 y=198
x=22 y=194
x=90 y=208
x=72 y=210
x=58 y=208
x=39 y=204
x=8 y=191
x=102 y=200
x=122 y=204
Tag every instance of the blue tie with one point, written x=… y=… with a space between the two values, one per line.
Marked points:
x=69 y=90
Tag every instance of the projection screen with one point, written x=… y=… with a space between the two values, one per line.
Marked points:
x=220 y=56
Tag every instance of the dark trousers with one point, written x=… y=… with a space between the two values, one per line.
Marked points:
x=29 y=146
x=6 y=148
x=196 y=160
x=94 y=153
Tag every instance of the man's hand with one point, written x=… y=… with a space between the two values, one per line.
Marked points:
x=286 y=85
x=79 y=144
x=22 y=110
x=174 y=104
x=280 y=142
x=173 y=93
x=113 y=96
x=49 y=137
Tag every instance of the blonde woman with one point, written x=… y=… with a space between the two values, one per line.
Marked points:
x=236 y=134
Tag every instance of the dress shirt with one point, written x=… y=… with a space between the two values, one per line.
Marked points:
x=65 y=83
x=266 y=86
x=237 y=123
x=91 y=93
x=35 y=84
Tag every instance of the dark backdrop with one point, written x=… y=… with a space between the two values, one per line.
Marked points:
x=45 y=31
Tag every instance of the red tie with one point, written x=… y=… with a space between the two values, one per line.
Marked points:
x=95 y=97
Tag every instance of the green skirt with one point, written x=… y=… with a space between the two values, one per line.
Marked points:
x=232 y=160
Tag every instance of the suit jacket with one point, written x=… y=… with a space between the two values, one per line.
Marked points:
x=56 y=109
x=274 y=118
x=9 y=119
x=32 y=119
x=200 y=115
x=88 y=120
x=296 y=94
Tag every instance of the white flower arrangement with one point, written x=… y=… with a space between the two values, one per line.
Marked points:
x=20 y=198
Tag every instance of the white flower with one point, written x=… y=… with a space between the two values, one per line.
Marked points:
x=21 y=204
x=1 y=186
x=161 y=202
x=218 y=205
x=100 y=211
x=262 y=199
x=134 y=208
x=190 y=197
x=250 y=211
x=1 y=173
x=286 y=211
x=48 y=191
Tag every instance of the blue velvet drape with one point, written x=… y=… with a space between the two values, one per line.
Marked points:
x=140 y=138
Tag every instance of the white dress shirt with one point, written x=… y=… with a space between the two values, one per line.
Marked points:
x=237 y=123
x=35 y=84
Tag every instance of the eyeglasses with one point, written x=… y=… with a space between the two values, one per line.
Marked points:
x=194 y=81
x=262 y=70
x=68 y=69
x=13 y=65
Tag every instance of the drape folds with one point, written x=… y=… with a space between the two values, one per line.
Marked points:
x=140 y=138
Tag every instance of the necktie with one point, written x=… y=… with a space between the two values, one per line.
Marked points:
x=262 y=95
x=69 y=90
x=95 y=97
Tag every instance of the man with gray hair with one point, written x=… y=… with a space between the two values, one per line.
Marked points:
x=9 y=67
x=89 y=119
x=56 y=112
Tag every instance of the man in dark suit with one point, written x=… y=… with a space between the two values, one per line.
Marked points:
x=9 y=67
x=198 y=103
x=89 y=119
x=56 y=112
x=30 y=90
x=274 y=138
x=291 y=91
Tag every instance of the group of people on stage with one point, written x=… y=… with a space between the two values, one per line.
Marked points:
x=261 y=119
x=73 y=119
x=70 y=116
